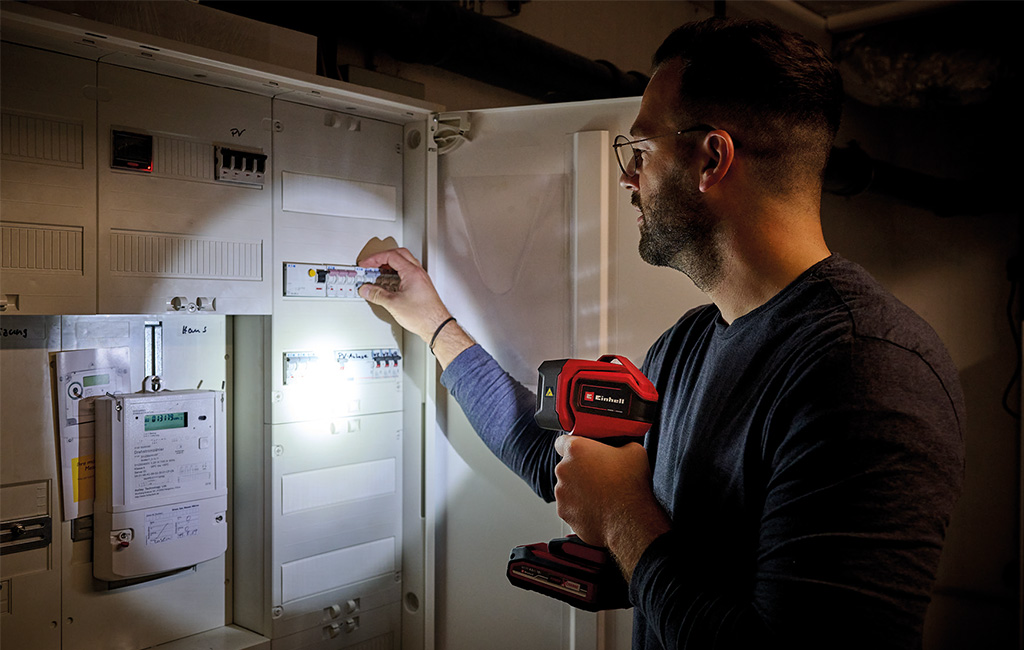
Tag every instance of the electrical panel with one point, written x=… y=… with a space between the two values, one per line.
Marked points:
x=184 y=203
x=332 y=540
x=30 y=514
x=161 y=474
x=48 y=184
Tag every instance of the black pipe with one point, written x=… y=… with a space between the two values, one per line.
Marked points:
x=445 y=35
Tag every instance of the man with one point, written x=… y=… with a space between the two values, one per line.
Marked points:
x=795 y=489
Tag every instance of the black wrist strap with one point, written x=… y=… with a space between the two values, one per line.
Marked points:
x=438 y=331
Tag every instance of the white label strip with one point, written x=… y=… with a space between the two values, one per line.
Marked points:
x=333 y=485
x=338 y=197
x=319 y=573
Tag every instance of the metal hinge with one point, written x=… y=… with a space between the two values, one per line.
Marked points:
x=450 y=132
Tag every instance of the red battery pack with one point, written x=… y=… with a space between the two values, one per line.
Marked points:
x=569 y=570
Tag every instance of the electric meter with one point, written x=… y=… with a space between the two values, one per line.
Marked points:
x=161 y=482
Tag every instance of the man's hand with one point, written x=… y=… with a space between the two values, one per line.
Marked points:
x=416 y=306
x=604 y=493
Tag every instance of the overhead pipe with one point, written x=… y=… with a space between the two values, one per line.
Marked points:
x=887 y=12
x=821 y=28
x=445 y=35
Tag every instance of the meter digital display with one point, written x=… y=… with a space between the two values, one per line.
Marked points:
x=95 y=380
x=160 y=421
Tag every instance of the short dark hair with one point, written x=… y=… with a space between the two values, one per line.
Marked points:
x=780 y=86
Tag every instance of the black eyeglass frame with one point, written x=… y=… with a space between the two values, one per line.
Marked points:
x=633 y=159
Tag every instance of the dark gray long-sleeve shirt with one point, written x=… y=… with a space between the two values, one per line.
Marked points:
x=808 y=455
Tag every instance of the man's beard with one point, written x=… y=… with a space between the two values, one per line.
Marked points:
x=678 y=231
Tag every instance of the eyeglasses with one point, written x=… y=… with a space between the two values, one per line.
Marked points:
x=629 y=159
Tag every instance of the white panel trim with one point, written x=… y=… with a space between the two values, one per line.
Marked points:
x=591 y=241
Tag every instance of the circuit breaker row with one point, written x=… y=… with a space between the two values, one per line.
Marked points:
x=342 y=365
x=333 y=281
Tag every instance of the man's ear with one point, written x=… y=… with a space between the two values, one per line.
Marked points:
x=718 y=151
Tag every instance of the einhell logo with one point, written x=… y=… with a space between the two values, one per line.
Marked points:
x=603 y=397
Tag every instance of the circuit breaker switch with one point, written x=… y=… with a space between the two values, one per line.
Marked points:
x=242 y=167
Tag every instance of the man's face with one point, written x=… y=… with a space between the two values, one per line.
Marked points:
x=677 y=229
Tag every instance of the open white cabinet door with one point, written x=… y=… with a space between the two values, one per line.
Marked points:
x=534 y=250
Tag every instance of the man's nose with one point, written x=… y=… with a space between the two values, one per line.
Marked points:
x=631 y=183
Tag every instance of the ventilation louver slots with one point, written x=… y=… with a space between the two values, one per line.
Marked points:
x=32 y=247
x=41 y=140
x=168 y=255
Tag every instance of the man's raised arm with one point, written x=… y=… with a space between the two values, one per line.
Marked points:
x=416 y=306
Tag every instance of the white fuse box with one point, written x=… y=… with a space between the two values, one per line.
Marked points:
x=161 y=482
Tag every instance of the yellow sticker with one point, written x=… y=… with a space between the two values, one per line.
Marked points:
x=550 y=393
x=83 y=469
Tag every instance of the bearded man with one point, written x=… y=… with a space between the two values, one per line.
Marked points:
x=795 y=488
